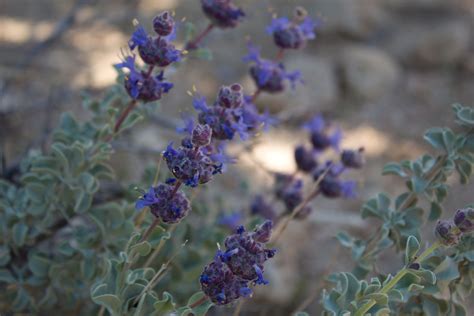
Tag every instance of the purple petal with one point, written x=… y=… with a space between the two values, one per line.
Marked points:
x=199 y=103
x=308 y=26
x=349 y=189
x=188 y=125
x=139 y=37
x=277 y=24
x=253 y=55
x=316 y=124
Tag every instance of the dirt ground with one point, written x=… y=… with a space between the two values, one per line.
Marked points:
x=385 y=70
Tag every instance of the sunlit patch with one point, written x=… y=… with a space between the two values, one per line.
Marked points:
x=18 y=31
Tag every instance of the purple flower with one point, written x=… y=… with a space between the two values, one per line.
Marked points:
x=227 y=277
x=220 y=285
x=353 y=158
x=446 y=232
x=225 y=117
x=188 y=125
x=464 y=220
x=322 y=137
x=261 y=207
x=291 y=34
x=139 y=38
x=230 y=96
x=165 y=203
x=148 y=199
x=163 y=24
x=292 y=194
x=332 y=187
x=305 y=159
x=154 y=50
x=268 y=75
x=231 y=221
x=190 y=165
x=140 y=86
x=201 y=135
x=222 y=13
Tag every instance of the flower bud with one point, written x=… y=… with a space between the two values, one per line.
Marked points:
x=446 y=232
x=353 y=159
x=464 y=220
x=201 y=135
x=290 y=37
x=222 y=13
x=230 y=97
x=163 y=24
x=261 y=207
x=305 y=159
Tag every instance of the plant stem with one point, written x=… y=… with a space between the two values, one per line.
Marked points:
x=255 y=94
x=198 y=302
x=387 y=287
x=194 y=43
x=158 y=249
x=147 y=233
x=314 y=193
x=280 y=54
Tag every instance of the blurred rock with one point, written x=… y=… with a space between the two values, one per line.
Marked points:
x=423 y=4
x=368 y=73
x=357 y=18
x=318 y=90
x=432 y=43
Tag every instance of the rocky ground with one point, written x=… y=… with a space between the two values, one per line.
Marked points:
x=386 y=70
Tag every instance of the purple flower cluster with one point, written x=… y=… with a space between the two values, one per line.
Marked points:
x=154 y=51
x=222 y=13
x=201 y=153
x=268 y=75
x=289 y=188
x=292 y=34
x=191 y=163
x=230 y=274
x=166 y=203
x=450 y=231
x=231 y=113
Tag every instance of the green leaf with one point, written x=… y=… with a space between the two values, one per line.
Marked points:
x=189 y=31
x=447 y=270
x=394 y=168
x=83 y=202
x=200 y=310
x=411 y=249
x=434 y=136
x=39 y=265
x=88 y=182
x=6 y=276
x=4 y=255
x=35 y=191
x=464 y=114
x=109 y=301
x=415 y=287
x=449 y=140
x=19 y=232
x=142 y=248
x=301 y=314
x=165 y=305
x=435 y=211
x=131 y=120
x=464 y=169
x=345 y=239
x=203 y=53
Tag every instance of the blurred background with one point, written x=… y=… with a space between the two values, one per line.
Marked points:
x=385 y=70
